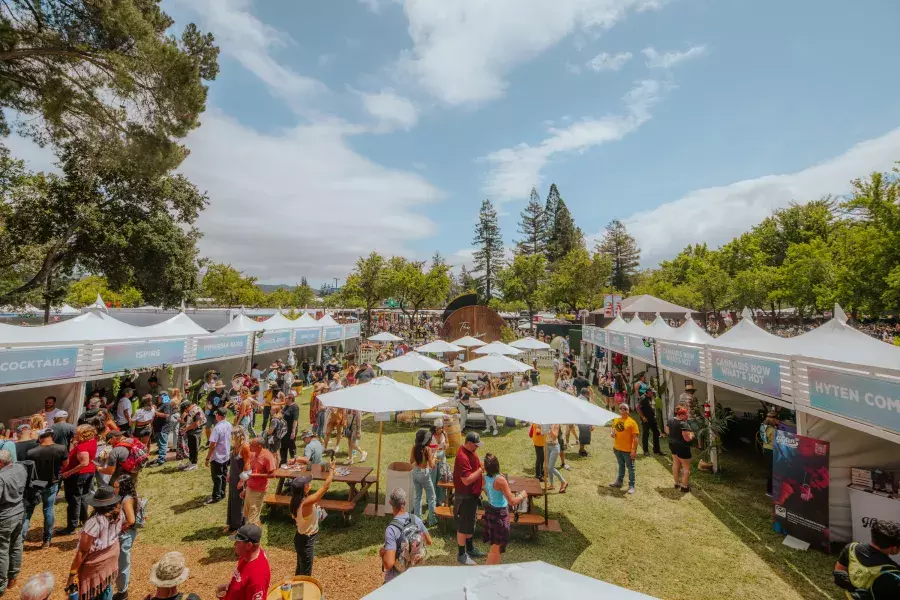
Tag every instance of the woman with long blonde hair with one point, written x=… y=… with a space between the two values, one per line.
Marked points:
x=240 y=461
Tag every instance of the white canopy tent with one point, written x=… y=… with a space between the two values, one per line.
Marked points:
x=327 y=321
x=179 y=325
x=384 y=336
x=498 y=348
x=277 y=322
x=241 y=324
x=522 y=581
x=91 y=326
x=411 y=362
x=306 y=321
x=644 y=303
x=494 y=364
x=468 y=342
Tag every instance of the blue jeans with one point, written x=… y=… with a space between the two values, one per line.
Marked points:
x=422 y=480
x=126 y=541
x=439 y=492
x=48 y=499
x=624 y=459
x=162 y=442
x=320 y=423
x=552 y=455
x=106 y=594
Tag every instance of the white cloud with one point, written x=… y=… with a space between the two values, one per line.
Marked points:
x=515 y=170
x=655 y=60
x=373 y=5
x=391 y=110
x=609 y=62
x=462 y=50
x=248 y=40
x=716 y=215
x=300 y=202
x=573 y=69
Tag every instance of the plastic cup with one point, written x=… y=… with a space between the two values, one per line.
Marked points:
x=286 y=591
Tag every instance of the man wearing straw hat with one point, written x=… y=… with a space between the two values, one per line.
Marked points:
x=167 y=575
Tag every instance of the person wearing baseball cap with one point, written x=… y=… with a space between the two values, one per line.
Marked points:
x=251 y=577
x=680 y=436
x=63 y=431
x=468 y=479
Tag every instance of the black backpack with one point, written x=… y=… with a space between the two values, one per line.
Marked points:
x=33 y=485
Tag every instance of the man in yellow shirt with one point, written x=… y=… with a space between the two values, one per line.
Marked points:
x=625 y=442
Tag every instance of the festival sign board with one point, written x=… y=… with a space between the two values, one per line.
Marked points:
x=351 y=331
x=305 y=337
x=273 y=340
x=608 y=306
x=120 y=357
x=679 y=358
x=600 y=336
x=333 y=333
x=587 y=334
x=222 y=345
x=757 y=374
x=616 y=341
x=639 y=350
x=37 y=364
x=800 y=479
x=857 y=397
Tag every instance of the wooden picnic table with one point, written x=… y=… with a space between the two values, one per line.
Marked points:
x=357 y=478
x=530 y=485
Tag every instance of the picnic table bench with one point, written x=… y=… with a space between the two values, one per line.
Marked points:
x=530 y=485
x=358 y=479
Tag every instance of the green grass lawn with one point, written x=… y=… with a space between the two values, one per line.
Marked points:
x=714 y=543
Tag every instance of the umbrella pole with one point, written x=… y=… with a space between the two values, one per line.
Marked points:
x=546 y=478
x=378 y=465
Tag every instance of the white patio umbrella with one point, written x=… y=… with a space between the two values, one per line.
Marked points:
x=382 y=394
x=498 y=348
x=439 y=347
x=529 y=343
x=544 y=404
x=468 y=342
x=498 y=582
x=411 y=362
x=384 y=336
x=496 y=363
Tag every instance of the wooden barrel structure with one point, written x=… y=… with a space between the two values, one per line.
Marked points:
x=302 y=588
x=454 y=434
x=481 y=322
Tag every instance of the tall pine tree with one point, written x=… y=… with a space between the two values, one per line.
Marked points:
x=465 y=281
x=624 y=252
x=489 y=255
x=562 y=236
x=533 y=227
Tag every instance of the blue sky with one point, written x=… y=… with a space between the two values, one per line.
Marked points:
x=344 y=126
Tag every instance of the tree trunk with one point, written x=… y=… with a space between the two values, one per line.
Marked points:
x=531 y=318
x=47 y=288
x=368 y=320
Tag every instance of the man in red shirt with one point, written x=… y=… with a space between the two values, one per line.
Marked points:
x=262 y=465
x=468 y=481
x=250 y=580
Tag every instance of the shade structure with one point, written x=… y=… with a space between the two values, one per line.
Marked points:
x=411 y=362
x=468 y=342
x=327 y=321
x=306 y=321
x=180 y=324
x=382 y=394
x=278 y=321
x=747 y=335
x=545 y=404
x=524 y=581
x=498 y=348
x=384 y=336
x=495 y=363
x=439 y=347
x=241 y=324
x=529 y=343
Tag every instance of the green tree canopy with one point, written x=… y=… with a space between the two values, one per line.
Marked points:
x=578 y=280
x=84 y=293
x=229 y=287
x=524 y=281
x=366 y=286
x=533 y=227
x=105 y=72
x=623 y=252
x=413 y=287
x=489 y=250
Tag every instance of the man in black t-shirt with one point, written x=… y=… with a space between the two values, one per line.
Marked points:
x=291 y=415
x=581 y=383
x=648 y=420
x=866 y=570
x=48 y=459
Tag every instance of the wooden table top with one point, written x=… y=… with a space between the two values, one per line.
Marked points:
x=516 y=484
x=356 y=475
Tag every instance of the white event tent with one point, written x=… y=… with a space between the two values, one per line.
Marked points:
x=843 y=385
x=498 y=348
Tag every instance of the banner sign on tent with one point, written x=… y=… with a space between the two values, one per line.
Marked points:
x=303 y=337
x=600 y=337
x=20 y=366
x=224 y=345
x=275 y=340
x=679 y=358
x=639 y=350
x=874 y=401
x=866 y=509
x=351 y=331
x=333 y=333
x=587 y=334
x=120 y=357
x=757 y=374
x=616 y=341
x=800 y=480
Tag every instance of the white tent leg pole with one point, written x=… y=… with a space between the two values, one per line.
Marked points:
x=319 y=355
x=711 y=397
x=630 y=381
x=82 y=390
x=801 y=423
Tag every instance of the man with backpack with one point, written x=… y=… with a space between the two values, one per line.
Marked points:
x=128 y=455
x=866 y=571
x=405 y=539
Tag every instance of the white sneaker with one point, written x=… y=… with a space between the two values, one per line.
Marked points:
x=567 y=467
x=496 y=432
x=364 y=455
x=631 y=490
x=486 y=429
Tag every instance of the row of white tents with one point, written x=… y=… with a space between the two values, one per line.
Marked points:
x=843 y=384
x=63 y=358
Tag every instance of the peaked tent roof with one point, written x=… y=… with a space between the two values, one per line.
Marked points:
x=747 y=335
x=180 y=324
x=835 y=340
x=327 y=321
x=306 y=321
x=690 y=333
x=241 y=324
x=65 y=309
x=91 y=326
x=278 y=321
x=637 y=327
x=618 y=324
x=645 y=303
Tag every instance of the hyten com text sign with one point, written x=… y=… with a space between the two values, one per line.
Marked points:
x=867 y=399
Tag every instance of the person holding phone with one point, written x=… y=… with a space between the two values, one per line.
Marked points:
x=307 y=514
